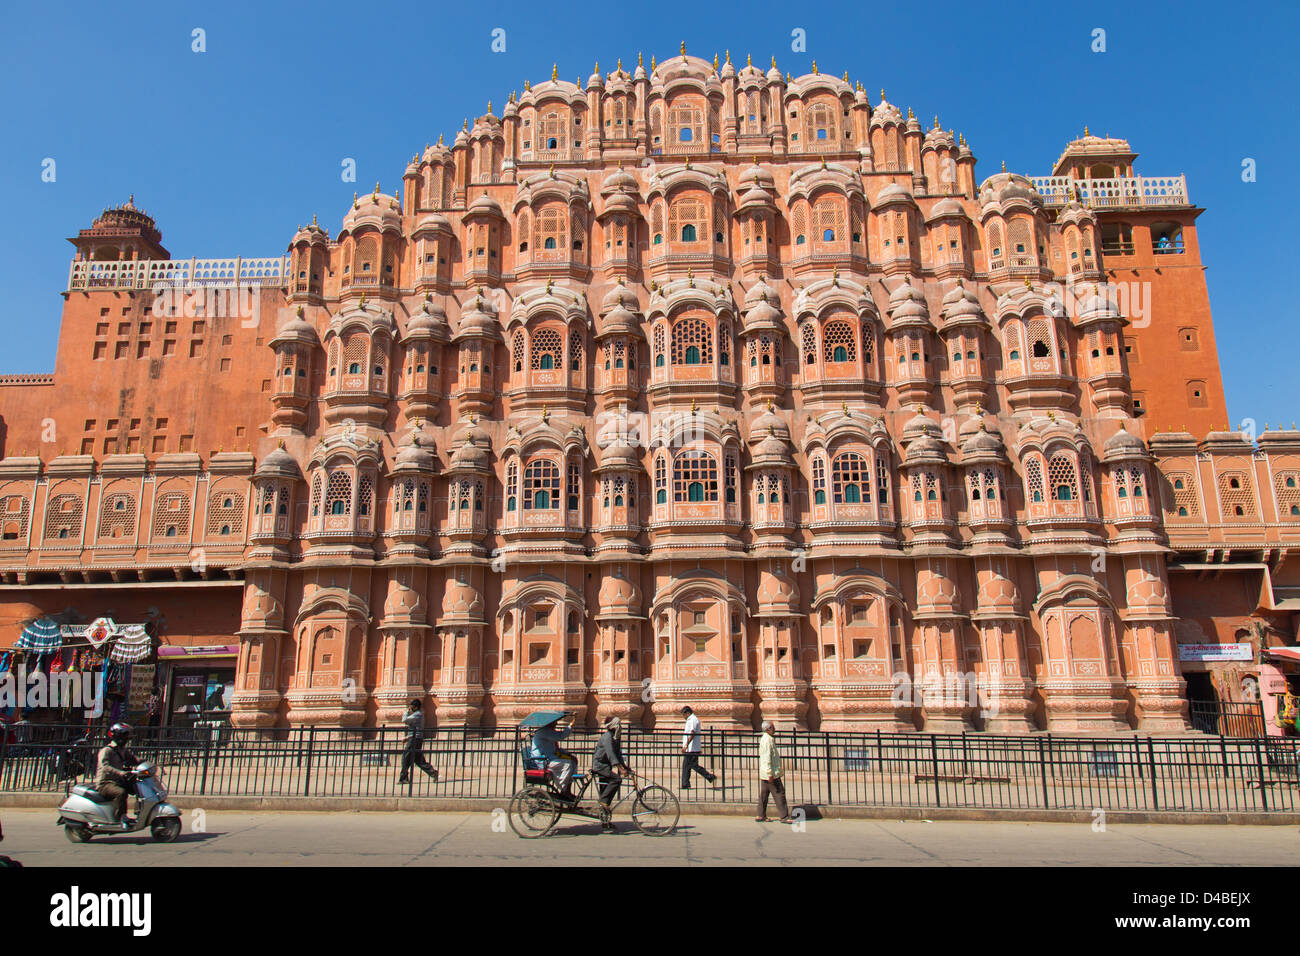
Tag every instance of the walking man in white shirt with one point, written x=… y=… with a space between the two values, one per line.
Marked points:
x=691 y=750
x=769 y=775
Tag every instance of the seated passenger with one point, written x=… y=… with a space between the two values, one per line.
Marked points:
x=561 y=765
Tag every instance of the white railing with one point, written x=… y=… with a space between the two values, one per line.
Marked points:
x=206 y=273
x=1114 y=193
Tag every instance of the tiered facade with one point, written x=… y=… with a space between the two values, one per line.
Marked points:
x=691 y=384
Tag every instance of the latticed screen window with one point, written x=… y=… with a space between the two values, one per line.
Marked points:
x=225 y=514
x=553 y=131
x=117 y=516
x=354 y=354
x=819 y=480
x=1034 y=479
x=171 y=515
x=799 y=224
x=315 y=496
x=551 y=229
x=850 y=479
x=546 y=349
x=695 y=477
x=1012 y=341
x=512 y=485
x=517 y=349
x=367 y=261
x=1018 y=237
x=1062 y=479
x=828 y=221
x=63 y=517
x=839 y=342
x=719 y=222
x=1236 y=495
x=688 y=219
x=731 y=478
x=995 y=240
x=338 y=494
x=575 y=349
x=868 y=346
x=542 y=485
x=882 y=480
x=574 y=485
x=808 y=342
x=404 y=496
x=659 y=345
x=657 y=223
x=1040 y=338
x=686 y=123
x=661 y=480
x=1288 y=494
x=365 y=492
x=692 y=342
x=13 y=516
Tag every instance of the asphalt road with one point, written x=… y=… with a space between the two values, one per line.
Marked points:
x=231 y=838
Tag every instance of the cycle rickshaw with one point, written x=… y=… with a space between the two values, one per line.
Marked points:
x=537 y=807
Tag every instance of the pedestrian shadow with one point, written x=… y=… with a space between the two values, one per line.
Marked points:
x=143 y=839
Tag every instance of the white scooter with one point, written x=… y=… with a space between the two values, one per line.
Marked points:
x=85 y=813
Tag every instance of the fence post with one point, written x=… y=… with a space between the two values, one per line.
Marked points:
x=826 y=756
x=1042 y=774
x=1151 y=757
x=306 y=781
x=1259 y=762
x=207 y=751
x=934 y=759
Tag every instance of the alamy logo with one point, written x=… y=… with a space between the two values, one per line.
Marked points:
x=75 y=909
x=57 y=690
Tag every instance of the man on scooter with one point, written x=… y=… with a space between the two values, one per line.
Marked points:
x=114 y=780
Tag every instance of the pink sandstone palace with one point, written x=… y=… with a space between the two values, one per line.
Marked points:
x=689 y=384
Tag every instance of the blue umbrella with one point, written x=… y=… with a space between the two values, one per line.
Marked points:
x=41 y=635
x=540 y=718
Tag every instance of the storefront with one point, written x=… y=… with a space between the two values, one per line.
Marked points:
x=1279 y=688
x=197 y=684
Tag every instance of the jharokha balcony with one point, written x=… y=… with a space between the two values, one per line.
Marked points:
x=1127 y=192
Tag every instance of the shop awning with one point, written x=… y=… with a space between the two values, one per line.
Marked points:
x=1284 y=653
x=41 y=635
x=175 y=651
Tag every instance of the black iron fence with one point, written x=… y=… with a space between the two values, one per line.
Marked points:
x=978 y=771
x=1229 y=718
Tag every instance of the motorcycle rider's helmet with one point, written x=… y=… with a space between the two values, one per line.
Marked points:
x=119 y=733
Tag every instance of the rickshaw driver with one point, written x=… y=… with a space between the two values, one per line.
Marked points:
x=560 y=763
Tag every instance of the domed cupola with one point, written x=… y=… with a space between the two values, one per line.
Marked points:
x=777 y=594
x=295 y=344
x=461 y=602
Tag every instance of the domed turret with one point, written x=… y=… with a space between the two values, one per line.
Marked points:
x=462 y=602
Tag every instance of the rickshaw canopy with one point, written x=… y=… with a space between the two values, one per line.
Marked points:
x=540 y=718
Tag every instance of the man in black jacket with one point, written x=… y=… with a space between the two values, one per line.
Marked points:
x=413 y=754
x=609 y=766
x=114 y=779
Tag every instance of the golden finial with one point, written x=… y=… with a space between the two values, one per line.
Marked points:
x=823 y=162
x=749 y=59
x=1004 y=165
x=361 y=302
x=774 y=63
x=619 y=69
x=1028 y=284
x=439 y=139
x=545 y=414
x=1085 y=131
x=551 y=171
x=489 y=113
x=654 y=64
x=376 y=187
x=846 y=76
x=683 y=51
x=715 y=63
x=693 y=406
x=882 y=94
x=465 y=124
x=979 y=409
x=473 y=418
x=638 y=59
x=910 y=114
x=596 y=68
x=555 y=72
x=280 y=443
x=815 y=73
x=528 y=86
x=936 y=120
x=1051 y=416
x=313 y=219
x=728 y=57
x=961 y=139
x=844 y=407
x=354 y=200
x=549 y=282
x=769 y=404
x=300 y=312
x=835 y=276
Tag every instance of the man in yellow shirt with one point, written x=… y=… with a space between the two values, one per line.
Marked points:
x=769 y=775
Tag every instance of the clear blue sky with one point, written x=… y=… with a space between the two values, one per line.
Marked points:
x=232 y=148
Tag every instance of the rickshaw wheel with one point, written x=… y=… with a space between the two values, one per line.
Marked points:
x=533 y=812
x=655 y=811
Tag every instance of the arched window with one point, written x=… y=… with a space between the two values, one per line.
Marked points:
x=695 y=477
x=1061 y=478
x=692 y=341
x=541 y=485
x=850 y=482
x=839 y=342
x=546 y=347
x=512 y=485
x=688 y=233
x=661 y=480
x=819 y=480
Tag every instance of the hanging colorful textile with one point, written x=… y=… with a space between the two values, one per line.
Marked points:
x=41 y=635
x=100 y=630
x=132 y=644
